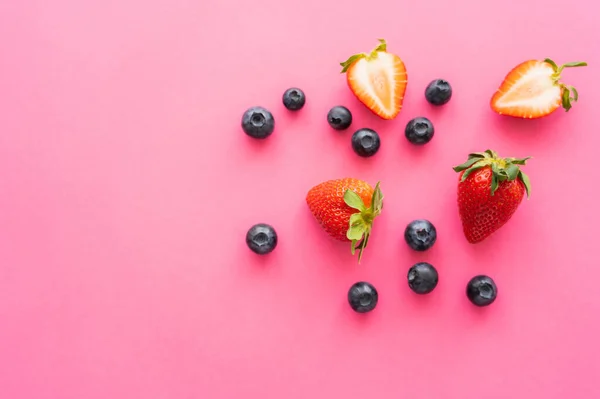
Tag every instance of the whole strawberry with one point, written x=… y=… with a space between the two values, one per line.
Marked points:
x=490 y=190
x=346 y=208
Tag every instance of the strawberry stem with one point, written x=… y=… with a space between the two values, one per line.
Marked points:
x=503 y=169
x=567 y=99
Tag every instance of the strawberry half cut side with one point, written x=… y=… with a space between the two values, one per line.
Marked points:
x=378 y=79
x=533 y=89
x=361 y=222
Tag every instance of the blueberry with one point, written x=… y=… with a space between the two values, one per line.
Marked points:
x=419 y=131
x=422 y=278
x=362 y=297
x=339 y=118
x=482 y=291
x=261 y=238
x=258 y=122
x=294 y=99
x=420 y=235
x=365 y=142
x=438 y=92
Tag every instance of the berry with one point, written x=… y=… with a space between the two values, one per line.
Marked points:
x=362 y=297
x=419 y=131
x=257 y=122
x=422 y=278
x=378 y=80
x=261 y=238
x=490 y=189
x=533 y=89
x=294 y=99
x=438 y=92
x=420 y=235
x=365 y=142
x=346 y=209
x=482 y=291
x=339 y=118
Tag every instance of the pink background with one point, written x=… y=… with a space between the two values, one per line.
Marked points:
x=127 y=187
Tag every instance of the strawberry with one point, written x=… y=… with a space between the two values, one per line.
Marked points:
x=378 y=80
x=490 y=190
x=346 y=208
x=533 y=89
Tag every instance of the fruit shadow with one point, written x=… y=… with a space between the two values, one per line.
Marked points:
x=247 y=264
x=475 y=314
x=346 y=316
x=358 y=320
x=526 y=132
x=258 y=146
x=315 y=242
x=412 y=153
x=293 y=115
x=420 y=302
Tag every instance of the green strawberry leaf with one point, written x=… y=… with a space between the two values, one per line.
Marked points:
x=554 y=66
x=363 y=245
x=494 y=184
x=377 y=200
x=356 y=232
x=566 y=99
x=502 y=176
x=382 y=46
x=574 y=64
x=353 y=200
x=518 y=161
x=575 y=94
x=470 y=170
x=360 y=244
x=512 y=171
x=492 y=154
x=355 y=220
x=467 y=164
x=495 y=173
x=526 y=182
x=477 y=155
x=346 y=64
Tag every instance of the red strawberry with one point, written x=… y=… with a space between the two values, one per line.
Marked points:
x=346 y=208
x=490 y=190
x=378 y=79
x=533 y=89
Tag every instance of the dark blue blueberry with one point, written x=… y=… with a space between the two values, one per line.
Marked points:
x=419 y=131
x=258 y=122
x=420 y=235
x=365 y=142
x=339 y=118
x=422 y=278
x=482 y=291
x=261 y=238
x=362 y=297
x=438 y=92
x=294 y=99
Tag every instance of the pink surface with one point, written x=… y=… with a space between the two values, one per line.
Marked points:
x=128 y=186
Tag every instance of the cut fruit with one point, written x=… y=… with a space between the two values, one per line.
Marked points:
x=378 y=80
x=533 y=89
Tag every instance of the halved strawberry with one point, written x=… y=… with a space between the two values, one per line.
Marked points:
x=533 y=89
x=378 y=80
